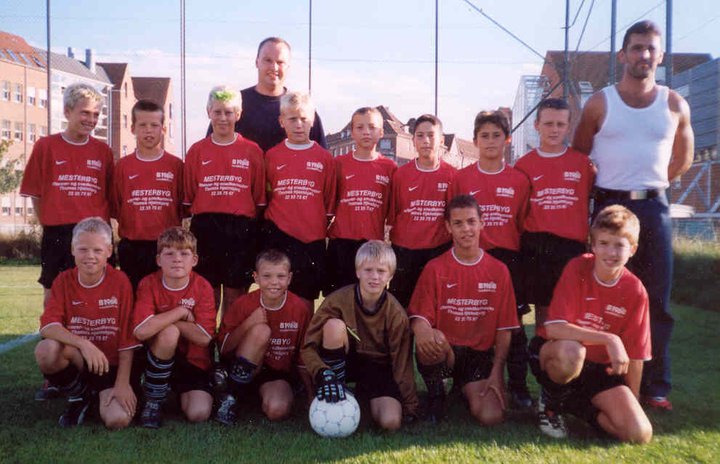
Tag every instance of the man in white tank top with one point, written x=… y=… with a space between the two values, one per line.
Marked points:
x=638 y=134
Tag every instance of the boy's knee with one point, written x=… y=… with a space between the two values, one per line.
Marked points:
x=47 y=351
x=259 y=335
x=167 y=337
x=199 y=412
x=334 y=333
x=486 y=415
x=276 y=410
x=637 y=430
x=117 y=420
x=567 y=361
x=389 y=422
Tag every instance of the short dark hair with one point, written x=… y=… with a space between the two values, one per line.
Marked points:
x=149 y=106
x=551 y=104
x=363 y=111
x=496 y=117
x=275 y=40
x=462 y=201
x=272 y=256
x=641 y=27
x=433 y=120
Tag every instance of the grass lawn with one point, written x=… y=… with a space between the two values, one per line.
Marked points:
x=28 y=431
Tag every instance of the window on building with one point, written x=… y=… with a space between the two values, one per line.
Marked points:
x=124 y=150
x=30 y=211
x=170 y=111
x=5 y=134
x=42 y=97
x=18 y=134
x=43 y=131
x=18 y=211
x=31 y=96
x=125 y=121
x=18 y=96
x=32 y=133
x=6 y=209
x=385 y=144
x=6 y=90
x=125 y=88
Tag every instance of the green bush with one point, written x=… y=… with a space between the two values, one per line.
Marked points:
x=23 y=247
x=696 y=273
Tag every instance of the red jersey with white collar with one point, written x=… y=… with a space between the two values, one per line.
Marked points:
x=560 y=186
x=622 y=309
x=101 y=313
x=153 y=297
x=226 y=179
x=468 y=303
x=503 y=198
x=363 y=197
x=302 y=183
x=287 y=327
x=147 y=195
x=71 y=180
x=417 y=206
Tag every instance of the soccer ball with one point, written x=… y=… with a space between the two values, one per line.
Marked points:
x=335 y=420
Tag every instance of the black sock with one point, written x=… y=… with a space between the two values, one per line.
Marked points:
x=517 y=361
x=432 y=374
x=70 y=381
x=335 y=359
x=157 y=377
x=241 y=373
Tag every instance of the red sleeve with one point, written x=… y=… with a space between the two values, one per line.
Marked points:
x=424 y=299
x=189 y=183
x=233 y=317
x=204 y=312
x=54 y=312
x=179 y=189
x=636 y=336
x=304 y=322
x=32 y=180
x=145 y=304
x=330 y=188
x=565 y=296
x=524 y=208
x=259 y=180
x=110 y=163
x=392 y=204
x=116 y=191
x=388 y=197
x=508 y=307
x=127 y=340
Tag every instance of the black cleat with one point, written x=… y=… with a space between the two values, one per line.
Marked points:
x=219 y=379
x=74 y=415
x=47 y=392
x=227 y=409
x=151 y=416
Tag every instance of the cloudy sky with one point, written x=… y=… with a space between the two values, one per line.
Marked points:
x=363 y=53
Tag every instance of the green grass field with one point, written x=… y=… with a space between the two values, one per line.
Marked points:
x=28 y=431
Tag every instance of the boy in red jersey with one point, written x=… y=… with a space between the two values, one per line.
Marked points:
x=302 y=185
x=87 y=342
x=363 y=178
x=68 y=178
x=462 y=314
x=556 y=226
x=175 y=316
x=589 y=354
x=225 y=188
x=502 y=193
x=419 y=194
x=361 y=334
x=260 y=339
x=146 y=193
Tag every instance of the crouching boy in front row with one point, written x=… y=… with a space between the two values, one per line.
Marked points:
x=175 y=316
x=87 y=344
x=589 y=355
x=361 y=333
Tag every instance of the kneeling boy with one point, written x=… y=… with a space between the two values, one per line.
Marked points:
x=260 y=339
x=463 y=313
x=589 y=355
x=86 y=346
x=361 y=333
x=175 y=316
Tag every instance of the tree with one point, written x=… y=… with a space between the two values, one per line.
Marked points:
x=10 y=175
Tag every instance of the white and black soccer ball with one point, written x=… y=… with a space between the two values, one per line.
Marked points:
x=335 y=420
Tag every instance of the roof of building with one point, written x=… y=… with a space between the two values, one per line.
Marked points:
x=391 y=122
x=152 y=88
x=115 y=72
x=15 y=49
x=69 y=65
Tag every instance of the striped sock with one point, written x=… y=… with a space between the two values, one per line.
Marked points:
x=335 y=359
x=157 y=377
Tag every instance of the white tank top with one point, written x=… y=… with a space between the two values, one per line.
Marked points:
x=632 y=149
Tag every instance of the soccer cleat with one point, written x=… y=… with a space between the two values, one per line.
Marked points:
x=219 y=379
x=75 y=413
x=151 y=416
x=551 y=424
x=657 y=402
x=520 y=399
x=226 y=412
x=47 y=392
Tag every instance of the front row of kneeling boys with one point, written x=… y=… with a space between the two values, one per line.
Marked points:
x=588 y=356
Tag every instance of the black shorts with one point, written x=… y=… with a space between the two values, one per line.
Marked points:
x=226 y=248
x=512 y=260
x=98 y=383
x=544 y=257
x=187 y=377
x=307 y=260
x=470 y=365
x=137 y=259
x=341 y=263
x=268 y=374
x=55 y=252
x=578 y=394
x=410 y=264
x=372 y=379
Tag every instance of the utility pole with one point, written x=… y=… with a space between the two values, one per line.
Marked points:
x=566 y=60
x=613 y=52
x=668 y=43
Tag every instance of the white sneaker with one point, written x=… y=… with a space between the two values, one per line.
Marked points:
x=551 y=424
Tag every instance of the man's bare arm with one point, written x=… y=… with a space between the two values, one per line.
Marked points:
x=590 y=121
x=683 y=150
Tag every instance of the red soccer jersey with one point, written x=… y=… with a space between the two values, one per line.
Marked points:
x=302 y=185
x=287 y=327
x=417 y=206
x=153 y=297
x=72 y=181
x=101 y=314
x=468 y=303
x=147 y=195
x=363 y=190
x=560 y=186
x=621 y=309
x=226 y=179
x=503 y=198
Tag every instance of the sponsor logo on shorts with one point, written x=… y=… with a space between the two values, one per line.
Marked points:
x=289 y=326
x=442 y=186
x=94 y=164
x=241 y=163
x=104 y=303
x=187 y=302
x=380 y=179
x=164 y=176
x=314 y=166
x=617 y=311
x=487 y=287
x=507 y=192
x=573 y=176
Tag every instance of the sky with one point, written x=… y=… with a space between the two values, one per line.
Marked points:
x=364 y=53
